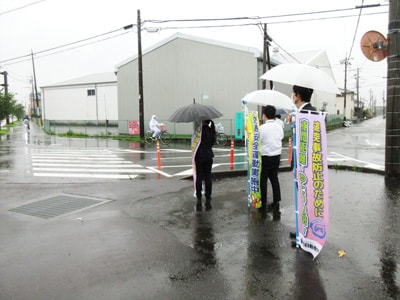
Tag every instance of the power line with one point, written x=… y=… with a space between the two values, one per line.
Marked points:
x=189 y=27
x=17 y=77
x=66 y=45
x=252 y=18
x=22 y=7
x=355 y=32
x=326 y=18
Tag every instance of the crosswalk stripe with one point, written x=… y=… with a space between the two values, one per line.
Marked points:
x=35 y=164
x=80 y=175
x=108 y=157
x=84 y=164
x=92 y=170
x=108 y=161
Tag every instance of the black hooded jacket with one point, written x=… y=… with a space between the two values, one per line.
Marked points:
x=205 y=152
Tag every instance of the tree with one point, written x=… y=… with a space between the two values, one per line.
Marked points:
x=19 y=111
x=7 y=104
x=3 y=112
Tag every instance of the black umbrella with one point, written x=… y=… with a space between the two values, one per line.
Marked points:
x=194 y=112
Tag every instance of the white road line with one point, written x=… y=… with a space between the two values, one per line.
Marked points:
x=80 y=175
x=77 y=164
x=154 y=170
x=190 y=157
x=108 y=161
x=190 y=171
x=92 y=170
x=347 y=158
x=84 y=164
x=184 y=173
x=75 y=156
x=177 y=166
x=109 y=158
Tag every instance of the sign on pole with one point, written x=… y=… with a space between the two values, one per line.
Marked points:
x=311 y=190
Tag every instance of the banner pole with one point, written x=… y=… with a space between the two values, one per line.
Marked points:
x=247 y=152
x=294 y=158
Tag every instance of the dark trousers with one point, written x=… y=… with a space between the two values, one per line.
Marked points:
x=203 y=172
x=269 y=170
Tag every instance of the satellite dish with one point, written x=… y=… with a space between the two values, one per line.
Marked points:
x=374 y=45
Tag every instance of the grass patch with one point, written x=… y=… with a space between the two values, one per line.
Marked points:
x=71 y=133
x=4 y=131
x=50 y=132
x=13 y=124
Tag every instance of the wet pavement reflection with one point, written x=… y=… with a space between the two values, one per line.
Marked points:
x=203 y=239
x=390 y=239
x=252 y=253
x=230 y=252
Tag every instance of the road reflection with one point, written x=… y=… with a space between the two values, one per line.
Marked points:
x=204 y=240
x=308 y=284
x=390 y=239
x=264 y=265
x=27 y=137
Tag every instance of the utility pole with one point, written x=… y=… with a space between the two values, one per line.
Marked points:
x=383 y=104
x=392 y=148
x=140 y=76
x=266 y=57
x=371 y=97
x=36 y=98
x=358 y=92
x=345 y=62
x=5 y=84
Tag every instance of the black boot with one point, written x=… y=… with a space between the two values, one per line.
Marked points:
x=199 y=206
x=273 y=207
x=208 y=203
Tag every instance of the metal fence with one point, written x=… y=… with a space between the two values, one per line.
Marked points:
x=113 y=127
x=89 y=128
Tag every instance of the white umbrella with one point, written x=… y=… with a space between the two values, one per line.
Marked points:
x=302 y=75
x=268 y=97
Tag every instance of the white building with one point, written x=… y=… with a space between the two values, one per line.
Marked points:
x=351 y=104
x=88 y=99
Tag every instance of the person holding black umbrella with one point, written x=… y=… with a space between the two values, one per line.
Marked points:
x=203 y=140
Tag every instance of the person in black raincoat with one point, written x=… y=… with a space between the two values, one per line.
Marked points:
x=203 y=163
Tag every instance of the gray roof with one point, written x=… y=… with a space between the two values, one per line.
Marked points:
x=256 y=52
x=106 y=77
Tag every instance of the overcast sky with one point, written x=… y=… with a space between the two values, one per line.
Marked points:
x=34 y=25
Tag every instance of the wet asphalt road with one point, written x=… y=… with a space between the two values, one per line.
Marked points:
x=147 y=242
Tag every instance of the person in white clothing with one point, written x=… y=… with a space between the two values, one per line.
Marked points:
x=271 y=136
x=155 y=126
x=278 y=119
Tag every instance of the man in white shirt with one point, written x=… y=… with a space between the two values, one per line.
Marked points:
x=278 y=120
x=271 y=136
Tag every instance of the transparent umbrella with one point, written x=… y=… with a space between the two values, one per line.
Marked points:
x=302 y=75
x=268 y=97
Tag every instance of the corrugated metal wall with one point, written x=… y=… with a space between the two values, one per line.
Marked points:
x=183 y=69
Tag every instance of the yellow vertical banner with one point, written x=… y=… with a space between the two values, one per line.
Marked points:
x=254 y=160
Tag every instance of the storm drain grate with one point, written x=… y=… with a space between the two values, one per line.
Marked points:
x=56 y=206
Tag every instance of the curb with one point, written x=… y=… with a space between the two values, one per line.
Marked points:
x=235 y=173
